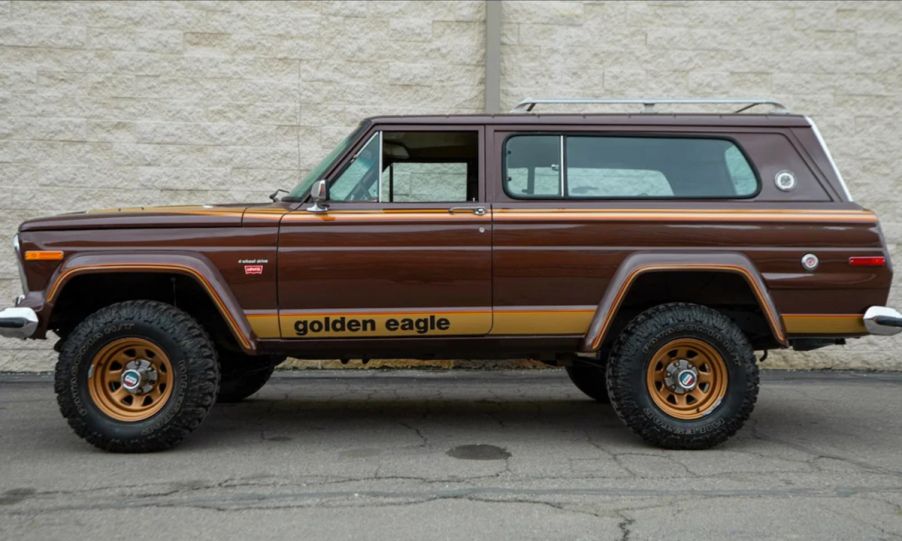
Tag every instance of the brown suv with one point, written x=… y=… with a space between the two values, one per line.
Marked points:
x=651 y=254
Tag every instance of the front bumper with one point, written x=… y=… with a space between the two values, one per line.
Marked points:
x=882 y=320
x=18 y=322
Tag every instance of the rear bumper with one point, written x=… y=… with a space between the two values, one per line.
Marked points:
x=18 y=322
x=882 y=320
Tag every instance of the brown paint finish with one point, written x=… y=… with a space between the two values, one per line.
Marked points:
x=649 y=262
x=195 y=266
x=526 y=278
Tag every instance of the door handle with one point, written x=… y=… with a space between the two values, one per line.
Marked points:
x=478 y=211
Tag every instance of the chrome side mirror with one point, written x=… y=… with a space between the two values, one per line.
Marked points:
x=319 y=193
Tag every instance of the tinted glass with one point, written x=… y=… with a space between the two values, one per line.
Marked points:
x=410 y=182
x=358 y=181
x=598 y=167
x=533 y=166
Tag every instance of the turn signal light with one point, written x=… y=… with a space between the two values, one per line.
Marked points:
x=867 y=261
x=43 y=255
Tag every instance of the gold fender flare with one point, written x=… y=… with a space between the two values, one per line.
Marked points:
x=645 y=262
x=196 y=266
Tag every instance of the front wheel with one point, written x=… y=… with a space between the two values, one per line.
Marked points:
x=683 y=376
x=136 y=376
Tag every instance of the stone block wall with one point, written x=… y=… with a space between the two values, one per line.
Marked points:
x=838 y=62
x=107 y=104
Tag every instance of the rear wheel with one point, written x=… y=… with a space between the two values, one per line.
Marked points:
x=683 y=376
x=136 y=376
x=590 y=379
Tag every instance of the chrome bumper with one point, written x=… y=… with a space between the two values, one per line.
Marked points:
x=882 y=320
x=18 y=322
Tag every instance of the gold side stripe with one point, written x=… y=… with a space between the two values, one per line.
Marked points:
x=542 y=322
x=504 y=321
x=684 y=211
x=824 y=324
x=695 y=217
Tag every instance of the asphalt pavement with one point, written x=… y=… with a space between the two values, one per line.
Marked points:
x=420 y=455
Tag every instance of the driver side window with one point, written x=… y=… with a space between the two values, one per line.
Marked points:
x=359 y=180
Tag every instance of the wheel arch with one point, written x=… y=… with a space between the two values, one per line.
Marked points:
x=645 y=263
x=194 y=267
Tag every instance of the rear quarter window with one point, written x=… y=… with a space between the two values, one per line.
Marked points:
x=613 y=167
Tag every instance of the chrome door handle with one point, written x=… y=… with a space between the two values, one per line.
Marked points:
x=478 y=211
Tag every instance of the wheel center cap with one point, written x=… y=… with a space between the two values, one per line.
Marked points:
x=138 y=377
x=681 y=376
x=687 y=380
x=131 y=380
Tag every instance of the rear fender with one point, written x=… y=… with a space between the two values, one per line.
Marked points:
x=645 y=262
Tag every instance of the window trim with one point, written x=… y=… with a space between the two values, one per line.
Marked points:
x=347 y=165
x=564 y=134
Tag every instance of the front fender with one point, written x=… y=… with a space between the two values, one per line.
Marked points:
x=644 y=262
x=194 y=265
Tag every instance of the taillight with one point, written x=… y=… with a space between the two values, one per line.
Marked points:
x=867 y=261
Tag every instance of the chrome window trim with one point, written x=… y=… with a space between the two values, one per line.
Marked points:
x=379 y=181
x=563 y=169
x=820 y=140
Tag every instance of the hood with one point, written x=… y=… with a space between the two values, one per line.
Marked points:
x=144 y=217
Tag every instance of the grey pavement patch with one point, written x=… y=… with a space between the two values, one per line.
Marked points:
x=16 y=495
x=479 y=452
x=359 y=453
x=367 y=458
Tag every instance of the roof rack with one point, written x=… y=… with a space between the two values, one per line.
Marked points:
x=527 y=105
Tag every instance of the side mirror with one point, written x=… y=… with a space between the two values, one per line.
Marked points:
x=319 y=193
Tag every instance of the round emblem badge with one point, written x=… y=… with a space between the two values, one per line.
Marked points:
x=785 y=181
x=809 y=262
x=130 y=380
x=687 y=379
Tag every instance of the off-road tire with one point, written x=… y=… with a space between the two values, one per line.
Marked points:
x=195 y=379
x=236 y=386
x=634 y=350
x=591 y=381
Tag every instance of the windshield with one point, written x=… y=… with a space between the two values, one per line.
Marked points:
x=303 y=188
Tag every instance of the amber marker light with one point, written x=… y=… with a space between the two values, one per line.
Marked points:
x=867 y=261
x=43 y=255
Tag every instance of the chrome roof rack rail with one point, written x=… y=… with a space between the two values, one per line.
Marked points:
x=527 y=105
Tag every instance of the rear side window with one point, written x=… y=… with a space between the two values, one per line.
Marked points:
x=609 y=167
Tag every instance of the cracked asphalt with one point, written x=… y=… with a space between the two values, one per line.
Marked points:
x=461 y=455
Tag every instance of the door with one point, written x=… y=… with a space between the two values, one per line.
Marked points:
x=404 y=248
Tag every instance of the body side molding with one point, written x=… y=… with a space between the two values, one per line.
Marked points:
x=194 y=265
x=644 y=262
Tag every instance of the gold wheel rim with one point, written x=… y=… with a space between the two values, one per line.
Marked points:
x=144 y=362
x=708 y=367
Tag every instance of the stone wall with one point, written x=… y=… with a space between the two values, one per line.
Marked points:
x=838 y=62
x=108 y=104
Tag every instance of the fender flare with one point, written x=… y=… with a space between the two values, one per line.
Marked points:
x=644 y=262
x=195 y=266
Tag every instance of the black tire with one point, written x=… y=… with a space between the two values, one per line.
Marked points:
x=637 y=346
x=195 y=377
x=591 y=380
x=236 y=386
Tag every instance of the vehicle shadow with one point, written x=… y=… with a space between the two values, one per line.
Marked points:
x=366 y=421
